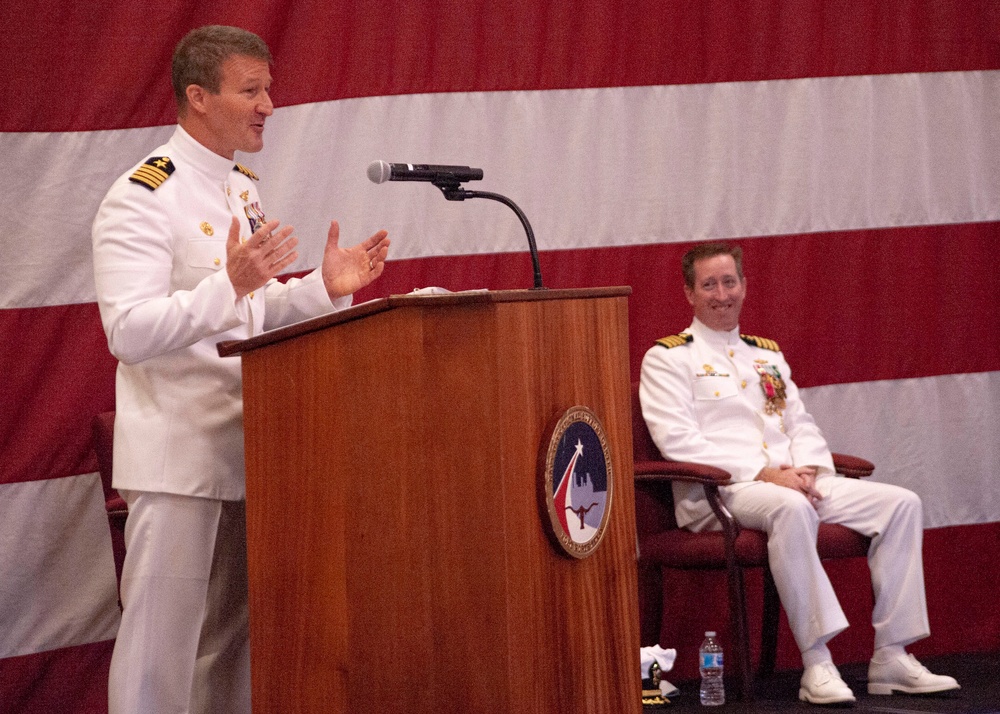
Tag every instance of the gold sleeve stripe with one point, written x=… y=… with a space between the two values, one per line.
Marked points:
x=153 y=173
x=762 y=342
x=246 y=172
x=671 y=341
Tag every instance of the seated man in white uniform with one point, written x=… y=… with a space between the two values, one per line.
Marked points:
x=716 y=397
x=184 y=258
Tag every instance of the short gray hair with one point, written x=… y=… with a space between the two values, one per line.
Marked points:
x=199 y=56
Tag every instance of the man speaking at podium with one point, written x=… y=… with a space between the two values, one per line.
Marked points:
x=184 y=258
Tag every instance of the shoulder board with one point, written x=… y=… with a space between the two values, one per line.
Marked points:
x=675 y=340
x=761 y=342
x=153 y=173
x=245 y=171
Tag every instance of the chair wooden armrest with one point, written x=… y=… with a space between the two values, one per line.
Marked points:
x=663 y=470
x=852 y=466
x=666 y=471
x=116 y=506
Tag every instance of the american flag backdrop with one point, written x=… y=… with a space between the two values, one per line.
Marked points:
x=852 y=147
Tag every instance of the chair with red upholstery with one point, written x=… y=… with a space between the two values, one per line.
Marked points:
x=103 y=428
x=665 y=549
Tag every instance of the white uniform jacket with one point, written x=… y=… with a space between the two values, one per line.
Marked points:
x=703 y=401
x=165 y=298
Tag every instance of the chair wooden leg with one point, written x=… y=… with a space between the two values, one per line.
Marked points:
x=650 y=604
x=738 y=624
x=769 y=626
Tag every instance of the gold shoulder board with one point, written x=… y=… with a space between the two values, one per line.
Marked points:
x=245 y=171
x=761 y=342
x=675 y=340
x=153 y=173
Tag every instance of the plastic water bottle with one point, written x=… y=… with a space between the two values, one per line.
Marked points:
x=713 y=692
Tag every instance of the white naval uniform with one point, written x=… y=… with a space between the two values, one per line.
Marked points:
x=166 y=301
x=703 y=402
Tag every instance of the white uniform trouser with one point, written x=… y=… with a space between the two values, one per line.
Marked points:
x=890 y=515
x=183 y=643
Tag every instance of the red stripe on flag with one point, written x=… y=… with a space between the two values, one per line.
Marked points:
x=84 y=68
x=58 y=374
x=845 y=307
x=73 y=679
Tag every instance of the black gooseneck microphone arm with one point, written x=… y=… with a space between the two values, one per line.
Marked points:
x=453 y=191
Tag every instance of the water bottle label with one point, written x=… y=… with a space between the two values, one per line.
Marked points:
x=711 y=659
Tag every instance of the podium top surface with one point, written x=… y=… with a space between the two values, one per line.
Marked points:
x=372 y=307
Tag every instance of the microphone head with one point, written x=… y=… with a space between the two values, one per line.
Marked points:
x=379 y=171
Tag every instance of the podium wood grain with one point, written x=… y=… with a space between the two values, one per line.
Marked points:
x=397 y=556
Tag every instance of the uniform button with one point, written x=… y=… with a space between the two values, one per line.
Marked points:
x=765 y=444
x=731 y=353
x=217 y=261
x=716 y=394
x=744 y=384
x=251 y=295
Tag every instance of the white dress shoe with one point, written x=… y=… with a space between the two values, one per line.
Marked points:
x=905 y=674
x=821 y=684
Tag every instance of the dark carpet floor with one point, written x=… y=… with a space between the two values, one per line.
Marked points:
x=978 y=673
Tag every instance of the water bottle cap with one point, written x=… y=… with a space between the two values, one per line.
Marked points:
x=710 y=634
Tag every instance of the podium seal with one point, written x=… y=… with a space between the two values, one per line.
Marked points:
x=578 y=483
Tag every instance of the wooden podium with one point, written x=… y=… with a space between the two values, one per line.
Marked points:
x=398 y=559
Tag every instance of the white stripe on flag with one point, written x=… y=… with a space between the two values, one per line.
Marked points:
x=900 y=426
x=590 y=168
x=58 y=587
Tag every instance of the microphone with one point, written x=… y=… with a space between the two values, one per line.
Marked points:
x=449 y=180
x=380 y=172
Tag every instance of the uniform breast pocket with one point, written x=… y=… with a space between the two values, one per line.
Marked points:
x=709 y=388
x=206 y=254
